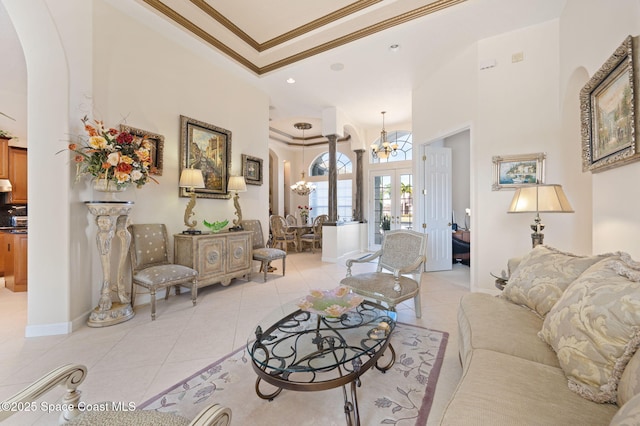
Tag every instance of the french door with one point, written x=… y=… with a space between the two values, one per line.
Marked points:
x=391 y=202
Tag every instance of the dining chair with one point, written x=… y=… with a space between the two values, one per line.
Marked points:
x=281 y=235
x=150 y=265
x=261 y=253
x=314 y=238
x=291 y=220
x=402 y=252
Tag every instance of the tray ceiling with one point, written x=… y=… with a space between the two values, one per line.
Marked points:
x=265 y=36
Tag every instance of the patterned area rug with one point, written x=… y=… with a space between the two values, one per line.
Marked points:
x=401 y=396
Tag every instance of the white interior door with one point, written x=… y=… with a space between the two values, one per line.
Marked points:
x=437 y=207
x=391 y=205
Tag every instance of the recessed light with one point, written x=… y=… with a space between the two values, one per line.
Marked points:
x=394 y=47
x=291 y=80
x=337 y=66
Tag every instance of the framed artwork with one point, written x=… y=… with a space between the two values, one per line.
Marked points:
x=608 y=118
x=208 y=148
x=252 y=170
x=513 y=171
x=157 y=146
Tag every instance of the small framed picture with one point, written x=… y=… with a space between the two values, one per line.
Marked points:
x=157 y=146
x=513 y=171
x=252 y=169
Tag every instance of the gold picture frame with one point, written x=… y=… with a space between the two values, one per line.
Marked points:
x=608 y=119
x=514 y=171
x=157 y=146
x=208 y=148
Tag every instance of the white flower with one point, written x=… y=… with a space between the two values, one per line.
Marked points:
x=467 y=211
x=136 y=174
x=113 y=158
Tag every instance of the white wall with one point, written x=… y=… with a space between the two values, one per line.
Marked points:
x=590 y=31
x=512 y=109
x=145 y=76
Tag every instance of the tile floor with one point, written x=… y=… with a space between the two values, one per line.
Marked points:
x=135 y=360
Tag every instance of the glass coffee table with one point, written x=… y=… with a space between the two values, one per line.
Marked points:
x=302 y=351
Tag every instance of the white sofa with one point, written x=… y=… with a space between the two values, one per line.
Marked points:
x=587 y=309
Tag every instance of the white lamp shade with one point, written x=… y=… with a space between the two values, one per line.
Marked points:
x=191 y=178
x=237 y=183
x=540 y=198
x=5 y=185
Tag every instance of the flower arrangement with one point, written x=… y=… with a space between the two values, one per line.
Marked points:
x=330 y=303
x=303 y=211
x=113 y=156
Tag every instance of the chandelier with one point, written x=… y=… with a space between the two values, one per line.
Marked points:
x=303 y=187
x=384 y=149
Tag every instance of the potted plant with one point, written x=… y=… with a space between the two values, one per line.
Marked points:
x=385 y=224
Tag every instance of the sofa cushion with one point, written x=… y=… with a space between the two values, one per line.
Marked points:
x=595 y=328
x=499 y=389
x=543 y=275
x=629 y=385
x=488 y=322
x=628 y=414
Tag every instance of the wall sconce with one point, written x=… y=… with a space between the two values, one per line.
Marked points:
x=191 y=179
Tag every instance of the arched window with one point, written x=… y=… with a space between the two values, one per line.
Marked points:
x=404 y=140
x=320 y=166
x=319 y=199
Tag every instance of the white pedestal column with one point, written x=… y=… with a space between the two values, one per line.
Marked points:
x=112 y=218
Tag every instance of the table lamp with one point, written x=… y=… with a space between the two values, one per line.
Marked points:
x=191 y=179
x=539 y=198
x=237 y=184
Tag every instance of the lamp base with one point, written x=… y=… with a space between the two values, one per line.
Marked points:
x=537 y=239
x=236 y=228
x=192 y=232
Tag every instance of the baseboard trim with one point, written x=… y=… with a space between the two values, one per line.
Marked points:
x=40 y=330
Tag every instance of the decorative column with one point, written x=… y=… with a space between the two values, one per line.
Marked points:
x=112 y=218
x=358 y=213
x=333 y=179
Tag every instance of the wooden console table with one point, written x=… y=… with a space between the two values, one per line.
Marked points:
x=218 y=258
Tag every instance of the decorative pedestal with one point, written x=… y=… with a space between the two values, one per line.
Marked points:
x=112 y=217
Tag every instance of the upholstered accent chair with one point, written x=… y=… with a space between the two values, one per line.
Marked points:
x=314 y=238
x=402 y=255
x=71 y=377
x=281 y=235
x=150 y=266
x=264 y=255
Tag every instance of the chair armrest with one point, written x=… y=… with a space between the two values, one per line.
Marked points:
x=70 y=375
x=410 y=268
x=213 y=415
x=367 y=258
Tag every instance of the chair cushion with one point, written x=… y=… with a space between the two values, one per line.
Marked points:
x=127 y=418
x=268 y=254
x=162 y=274
x=595 y=328
x=311 y=237
x=379 y=286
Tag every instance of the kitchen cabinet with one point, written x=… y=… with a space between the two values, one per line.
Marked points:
x=2 y=252
x=218 y=258
x=18 y=174
x=4 y=158
x=15 y=261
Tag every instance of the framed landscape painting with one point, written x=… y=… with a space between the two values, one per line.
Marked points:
x=513 y=171
x=208 y=148
x=608 y=104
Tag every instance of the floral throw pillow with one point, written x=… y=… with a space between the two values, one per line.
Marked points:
x=543 y=275
x=595 y=328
